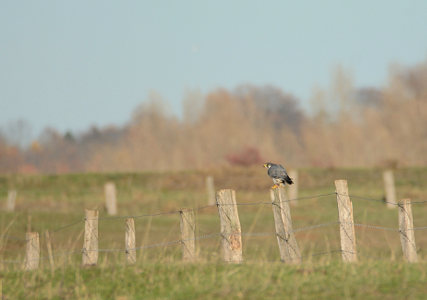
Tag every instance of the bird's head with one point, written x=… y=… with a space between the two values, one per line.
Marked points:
x=267 y=165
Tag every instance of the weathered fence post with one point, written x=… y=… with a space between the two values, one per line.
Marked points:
x=210 y=188
x=345 y=213
x=110 y=198
x=90 y=242
x=406 y=230
x=130 y=241
x=49 y=250
x=293 y=188
x=188 y=234
x=390 y=191
x=230 y=226
x=288 y=246
x=11 y=199
x=32 y=254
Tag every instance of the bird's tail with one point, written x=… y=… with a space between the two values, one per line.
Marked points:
x=288 y=180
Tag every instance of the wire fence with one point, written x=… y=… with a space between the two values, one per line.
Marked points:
x=247 y=204
x=212 y=235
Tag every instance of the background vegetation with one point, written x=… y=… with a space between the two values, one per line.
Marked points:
x=345 y=126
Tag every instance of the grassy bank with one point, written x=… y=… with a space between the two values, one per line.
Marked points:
x=52 y=202
x=320 y=280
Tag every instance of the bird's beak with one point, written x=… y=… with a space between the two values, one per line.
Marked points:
x=265 y=165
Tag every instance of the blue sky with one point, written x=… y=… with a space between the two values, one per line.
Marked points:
x=72 y=64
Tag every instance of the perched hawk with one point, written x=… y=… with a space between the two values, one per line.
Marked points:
x=278 y=173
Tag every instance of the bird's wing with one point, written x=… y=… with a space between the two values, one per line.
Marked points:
x=283 y=168
x=277 y=172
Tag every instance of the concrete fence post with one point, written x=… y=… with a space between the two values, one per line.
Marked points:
x=11 y=200
x=32 y=253
x=110 y=198
x=288 y=246
x=90 y=242
x=188 y=234
x=130 y=241
x=230 y=226
x=390 y=190
x=406 y=230
x=345 y=214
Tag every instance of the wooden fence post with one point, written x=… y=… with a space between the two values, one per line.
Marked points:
x=406 y=230
x=49 y=250
x=110 y=198
x=345 y=213
x=11 y=200
x=288 y=246
x=188 y=234
x=90 y=242
x=230 y=226
x=390 y=191
x=293 y=188
x=210 y=188
x=130 y=241
x=32 y=253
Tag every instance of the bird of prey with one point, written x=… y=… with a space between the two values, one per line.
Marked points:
x=278 y=173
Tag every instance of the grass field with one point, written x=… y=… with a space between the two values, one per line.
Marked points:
x=51 y=202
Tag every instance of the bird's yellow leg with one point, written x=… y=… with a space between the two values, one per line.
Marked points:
x=275 y=186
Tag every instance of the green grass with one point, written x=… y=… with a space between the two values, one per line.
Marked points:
x=54 y=201
x=264 y=280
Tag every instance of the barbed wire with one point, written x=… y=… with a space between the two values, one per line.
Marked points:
x=378 y=200
x=258 y=234
x=376 y=227
x=418 y=202
x=238 y=204
x=153 y=214
x=67 y=226
x=205 y=206
x=309 y=197
x=137 y=216
x=210 y=235
x=245 y=203
x=288 y=200
x=365 y=198
x=418 y=228
x=315 y=226
x=155 y=245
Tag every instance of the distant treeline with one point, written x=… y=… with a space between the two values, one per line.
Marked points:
x=346 y=126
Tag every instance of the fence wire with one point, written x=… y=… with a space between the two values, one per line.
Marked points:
x=309 y=197
x=215 y=205
x=352 y=196
x=315 y=226
x=376 y=227
x=212 y=235
x=67 y=226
